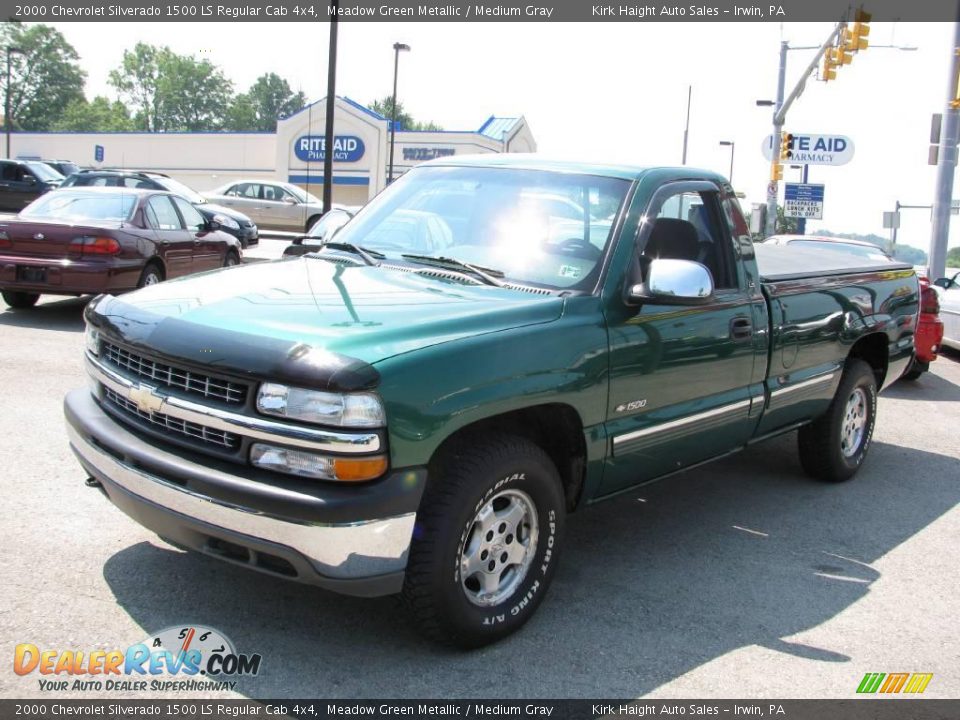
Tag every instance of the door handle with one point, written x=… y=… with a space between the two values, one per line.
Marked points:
x=741 y=328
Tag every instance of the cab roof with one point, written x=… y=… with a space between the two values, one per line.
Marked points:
x=523 y=161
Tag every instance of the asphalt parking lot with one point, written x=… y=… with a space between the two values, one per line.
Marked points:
x=741 y=579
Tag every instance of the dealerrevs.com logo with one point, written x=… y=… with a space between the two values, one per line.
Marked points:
x=191 y=657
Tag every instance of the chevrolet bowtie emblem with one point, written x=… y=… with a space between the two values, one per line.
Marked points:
x=145 y=398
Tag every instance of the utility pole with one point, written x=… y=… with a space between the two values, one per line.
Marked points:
x=686 y=129
x=946 y=165
x=328 y=139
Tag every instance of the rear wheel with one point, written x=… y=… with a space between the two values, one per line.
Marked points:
x=833 y=447
x=151 y=275
x=20 y=300
x=231 y=258
x=486 y=543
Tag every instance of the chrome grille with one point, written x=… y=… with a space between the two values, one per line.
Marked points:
x=206 y=386
x=174 y=425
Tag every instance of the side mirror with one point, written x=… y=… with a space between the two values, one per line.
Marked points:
x=673 y=282
x=289 y=201
x=213 y=225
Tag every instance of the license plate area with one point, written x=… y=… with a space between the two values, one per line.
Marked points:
x=26 y=273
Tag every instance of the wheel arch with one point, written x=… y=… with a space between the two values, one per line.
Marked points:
x=873 y=349
x=556 y=428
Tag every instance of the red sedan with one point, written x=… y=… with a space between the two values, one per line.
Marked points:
x=80 y=241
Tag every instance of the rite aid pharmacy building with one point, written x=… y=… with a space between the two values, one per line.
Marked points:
x=295 y=153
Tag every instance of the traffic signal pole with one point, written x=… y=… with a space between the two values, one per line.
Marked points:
x=780 y=114
x=946 y=166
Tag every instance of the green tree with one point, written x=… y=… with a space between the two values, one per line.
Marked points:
x=98 y=115
x=45 y=76
x=384 y=106
x=268 y=99
x=170 y=91
x=953 y=257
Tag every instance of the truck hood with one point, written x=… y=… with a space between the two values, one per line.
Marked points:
x=247 y=319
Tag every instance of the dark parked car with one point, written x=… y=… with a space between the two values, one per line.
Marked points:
x=23 y=181
x=321 y=232
x=230 y=221
x=64 y=167
x=77 y=241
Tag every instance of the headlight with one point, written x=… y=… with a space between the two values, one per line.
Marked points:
x=355 y=410
x=312 y=465
x=92 y=339
x=227 y=222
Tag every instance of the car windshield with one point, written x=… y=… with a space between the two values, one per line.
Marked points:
x=76 y=206
x=538 y=228
x=874 y=253
x=44 y=172
x=178 y=188
x=302 y=195
x=324 y=228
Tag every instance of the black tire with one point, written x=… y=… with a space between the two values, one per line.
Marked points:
x=489 y=471
x=830 y=447
x=151 y=275
x=231 y=258
x=20 y=300
x=310 y=222
x=915 y=370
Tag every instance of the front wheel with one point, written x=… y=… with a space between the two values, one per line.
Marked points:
x=486 y=542
x=231 y=259
x=833 y=446
x=20 y=300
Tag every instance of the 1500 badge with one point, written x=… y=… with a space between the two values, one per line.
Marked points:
x=631 y=406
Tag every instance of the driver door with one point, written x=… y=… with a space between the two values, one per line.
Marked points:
x=281 y=209
x=683 y=378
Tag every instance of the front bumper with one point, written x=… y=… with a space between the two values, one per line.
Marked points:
x=365 y=558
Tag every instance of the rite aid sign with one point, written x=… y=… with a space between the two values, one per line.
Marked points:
x=346 y=148
x=814 y=149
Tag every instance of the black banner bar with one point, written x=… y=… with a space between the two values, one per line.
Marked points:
x=461 y=11
x=874 y=708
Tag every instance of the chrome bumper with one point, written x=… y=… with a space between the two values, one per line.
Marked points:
x=337 y=554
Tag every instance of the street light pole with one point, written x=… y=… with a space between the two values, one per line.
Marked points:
x=732 y=145
x=397 y=47
x=773 y=187
x=6 y=112
x=328 y=138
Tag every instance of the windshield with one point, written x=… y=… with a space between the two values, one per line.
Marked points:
x=178 y=188
x=325 y=227
x=302 y=195
x=539 y=228
x=76 y=206
x=44 y=172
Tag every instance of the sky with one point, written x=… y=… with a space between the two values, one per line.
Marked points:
x=615 y=92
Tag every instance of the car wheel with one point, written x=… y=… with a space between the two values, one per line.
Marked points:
x=833 y=447
x=486 y=542
x=310 y=223
x=20 y=300
x=151 y=275
x=231 y=259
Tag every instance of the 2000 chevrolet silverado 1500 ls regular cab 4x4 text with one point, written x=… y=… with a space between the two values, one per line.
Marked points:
x=487 y=346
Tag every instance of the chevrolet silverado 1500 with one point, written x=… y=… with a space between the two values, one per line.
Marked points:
x=486 y=347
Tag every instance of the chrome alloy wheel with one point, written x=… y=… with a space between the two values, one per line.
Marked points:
x=498 y=548
x=854 y=423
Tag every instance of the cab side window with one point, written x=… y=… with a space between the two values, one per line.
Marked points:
x=691 y=226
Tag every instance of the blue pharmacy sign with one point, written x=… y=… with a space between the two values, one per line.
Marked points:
x=98 y=153
x=312 y=148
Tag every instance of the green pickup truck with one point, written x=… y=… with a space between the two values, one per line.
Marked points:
x=489 y=345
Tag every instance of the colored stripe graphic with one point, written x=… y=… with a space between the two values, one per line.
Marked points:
x=870 y=682
x=918 y=683
x=894 y=683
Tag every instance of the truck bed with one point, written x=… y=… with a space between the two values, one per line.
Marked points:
x=779 y=262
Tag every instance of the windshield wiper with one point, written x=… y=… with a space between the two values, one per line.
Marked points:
x=489 y=276
x=370 y=257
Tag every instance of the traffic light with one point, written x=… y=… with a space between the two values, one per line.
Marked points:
x=841 y=55
x=829 y=67
x=786 y=145
x=776 y=172
x=856 y=39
